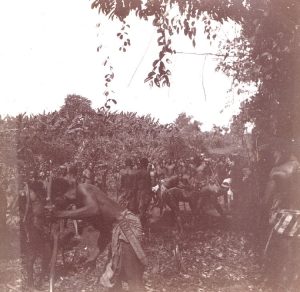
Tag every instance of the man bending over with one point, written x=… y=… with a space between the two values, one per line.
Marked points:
x=116 y=225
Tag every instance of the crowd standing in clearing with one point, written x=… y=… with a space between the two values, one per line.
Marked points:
x=145 y=190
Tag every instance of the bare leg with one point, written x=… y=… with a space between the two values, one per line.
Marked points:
x=174 y=206
x=46 y=256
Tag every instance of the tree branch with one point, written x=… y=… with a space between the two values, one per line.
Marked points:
x=208 y=54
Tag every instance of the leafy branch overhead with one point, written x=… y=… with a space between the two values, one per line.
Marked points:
x=187 y=13
x=265 y=53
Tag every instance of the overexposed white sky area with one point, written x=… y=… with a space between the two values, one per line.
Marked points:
x=49 y=50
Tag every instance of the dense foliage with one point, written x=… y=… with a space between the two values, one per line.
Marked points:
x=270 y=42
x=78 y=133
x=266 y=52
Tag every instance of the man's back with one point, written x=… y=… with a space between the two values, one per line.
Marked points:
x=128 y=179
x=143 y=180
x=92 y=204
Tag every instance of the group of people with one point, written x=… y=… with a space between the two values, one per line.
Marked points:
x=121 y=222
x=167 y=183
x=99 y=179
x=46 y=204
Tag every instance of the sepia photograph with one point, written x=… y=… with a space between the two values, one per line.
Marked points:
x=150 y=146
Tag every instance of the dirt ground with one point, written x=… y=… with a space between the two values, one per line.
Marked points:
x=215 y=257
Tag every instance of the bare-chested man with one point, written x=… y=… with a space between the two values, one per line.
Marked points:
x=116 y=225
x=34 y=229
x=281 y=203
x=170 y=168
